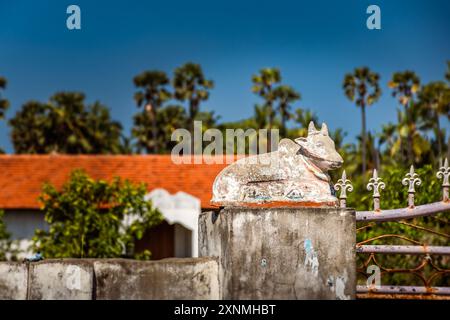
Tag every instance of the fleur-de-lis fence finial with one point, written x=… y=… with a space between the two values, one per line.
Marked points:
x=444 y=173
x=376 y=184
x=412 y=179
x=344 y=185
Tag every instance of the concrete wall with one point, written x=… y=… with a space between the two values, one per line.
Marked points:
x=282 y=253
x=70 y=279
x=248 y=253
x=85 y=279
x=175 y=278
x=13 y=281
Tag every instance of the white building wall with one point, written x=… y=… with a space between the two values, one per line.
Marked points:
x=180 y=208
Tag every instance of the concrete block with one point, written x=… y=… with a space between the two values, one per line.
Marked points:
x=175 y=278
x=282 y=253
x=13 y=281
x=61 y=279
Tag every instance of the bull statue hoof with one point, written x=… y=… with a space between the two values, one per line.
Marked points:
x=294 y=175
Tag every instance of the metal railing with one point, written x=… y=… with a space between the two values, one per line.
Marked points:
x=414 y=248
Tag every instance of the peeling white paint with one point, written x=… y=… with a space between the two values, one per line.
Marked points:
x=340 y=287
x=311 y=260
x=73 y=281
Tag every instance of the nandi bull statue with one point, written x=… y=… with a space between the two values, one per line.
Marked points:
x=295 y=174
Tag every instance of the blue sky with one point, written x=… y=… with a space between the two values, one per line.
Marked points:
x=314 y=43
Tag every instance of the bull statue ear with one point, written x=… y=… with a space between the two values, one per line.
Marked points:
x=311 y=128
x=324 y=129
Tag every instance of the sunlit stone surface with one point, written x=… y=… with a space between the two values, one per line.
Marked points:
x=295 y=174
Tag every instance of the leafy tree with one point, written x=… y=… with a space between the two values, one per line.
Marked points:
x=362 y=87
x=65 y=125
x=389 y=140
x=434 y=101
x=263 y=85
x=152 y=95
x=260 y=117
x=191 y=85
x=395 y=195
x=408 y=128
x=447 y=74
x=4 y=104
x=168 y=119
x=303 y=117
x=30 y=128
x=94 y=219
x=4 y=238
x=404 y=86
x=285 y=95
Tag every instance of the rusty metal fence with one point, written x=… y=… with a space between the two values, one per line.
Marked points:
x=431 y=262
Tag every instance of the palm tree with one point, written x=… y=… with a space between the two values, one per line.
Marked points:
x=104 y=134
x=434 y=99
x=447 y=74
x=152 y=95
x=169 y=118
x=263 y=85
x=303 y=117
x=285 y=95
x=362 y=87
x=388 y=137
x=191 y=85
x=405 y=85
x=4 y=104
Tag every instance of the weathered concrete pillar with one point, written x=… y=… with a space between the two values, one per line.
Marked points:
x=61 y=279
x=282 y=252
x=13 y=281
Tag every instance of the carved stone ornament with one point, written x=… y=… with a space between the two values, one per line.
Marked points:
x=295 y=174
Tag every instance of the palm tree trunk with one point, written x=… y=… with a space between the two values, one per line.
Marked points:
x=438 y=134
x=193 y=108
x=409 y=143
x=364 y=138
x=154 y=132
x=283 y=125
x=448 y=148
x=269 y=134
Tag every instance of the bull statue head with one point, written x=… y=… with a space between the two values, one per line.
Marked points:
x=319 y=148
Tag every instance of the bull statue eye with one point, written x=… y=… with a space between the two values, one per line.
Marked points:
x=319 y=144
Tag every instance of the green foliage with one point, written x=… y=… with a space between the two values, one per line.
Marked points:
x=404 y=86
x=153 y=94
x=65 y=125
x=264 y=85
x=153 y=128
x=434 y=102
x=191 y=85
x=169 y=119
x=275 y=112
x=362 y=87
x=86 y=219
x=5 y=242
x=395 y=195
x=4 y=104
x=447 y=73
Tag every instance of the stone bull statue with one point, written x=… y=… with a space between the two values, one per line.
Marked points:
x=295 y=174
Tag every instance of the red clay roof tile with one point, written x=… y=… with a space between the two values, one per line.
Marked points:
x=22 y=176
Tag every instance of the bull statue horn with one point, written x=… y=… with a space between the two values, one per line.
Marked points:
x=324 y=129
x=311 y=128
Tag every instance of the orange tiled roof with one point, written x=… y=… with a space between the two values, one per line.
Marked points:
x=22 y=176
